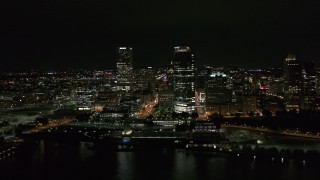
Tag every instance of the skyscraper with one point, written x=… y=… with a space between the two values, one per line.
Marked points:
x=124 y=69
x=216 y=89
x=144 y=79
x=310 y=81
x=293 y=83
x=184 y=79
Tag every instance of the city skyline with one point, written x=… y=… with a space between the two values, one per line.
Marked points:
x=59 y=34
x=112 y=64
x=184 y=89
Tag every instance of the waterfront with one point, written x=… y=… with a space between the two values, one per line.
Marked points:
x=254 y=138
x=79 y=160
x=61 y=153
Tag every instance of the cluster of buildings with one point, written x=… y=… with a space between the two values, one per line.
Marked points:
x=184 y=88
x=181 y=87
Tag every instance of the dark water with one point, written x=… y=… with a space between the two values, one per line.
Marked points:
x=67 y=160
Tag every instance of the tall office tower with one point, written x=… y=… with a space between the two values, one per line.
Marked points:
x=310 y=81
x=124 y=69
x=200 y=85
x=216 y=89
x=236 y=82
x=276 y=81
x=218 y=96
x=184 y=79
x=293 y=83
x=145 y=79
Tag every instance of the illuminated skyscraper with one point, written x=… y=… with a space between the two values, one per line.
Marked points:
x=124 y=69
x=293 y=83
x=184 y=79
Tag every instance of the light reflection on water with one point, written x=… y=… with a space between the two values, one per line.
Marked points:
x=125 y=167
x=72 y=160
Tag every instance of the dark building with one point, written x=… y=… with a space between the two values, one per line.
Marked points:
x=293 y=83
x=310 y=81
x=108 y=97
x=169 y=77
x=200 y=92
x=184 y=79
x=201 y=77
x=145 y=79
x=131 y=103
x=216 y=89
x=125 y=69
x=317 y=72
x=276 y=81
x=166 y=99
x=113 y=113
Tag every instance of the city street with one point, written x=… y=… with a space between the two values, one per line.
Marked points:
x=52 y=124
x=147 y=109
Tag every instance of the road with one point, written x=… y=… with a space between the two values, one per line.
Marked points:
x=52 y=124
x=147 y=109
x=285 y=132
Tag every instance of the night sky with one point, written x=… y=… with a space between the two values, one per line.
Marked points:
x=55 y=34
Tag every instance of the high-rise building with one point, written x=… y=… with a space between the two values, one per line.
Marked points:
x=200 y=86
x=124 y=69
x=216 y=88
x=310 y=81
x=218 y=96
x=275 y=81
x=166 y=99
x=293 y=83
x=145 y=79
x=184 y=79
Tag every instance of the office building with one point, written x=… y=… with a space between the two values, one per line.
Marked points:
x=184 y=79
x=145 y=79
x=293 y=83
x=310 y=81
x=124 y=69
x=166 y=99
x=216 y=88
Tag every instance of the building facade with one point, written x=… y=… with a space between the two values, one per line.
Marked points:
x=310 y=86
x=144 y=79
x=293 y=83
x=184 y=79
x=124 y=69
